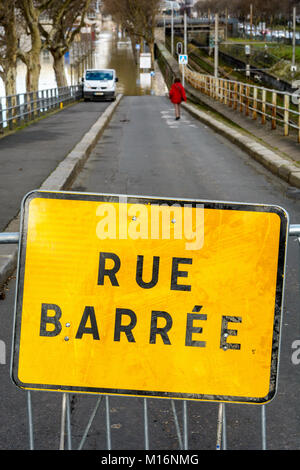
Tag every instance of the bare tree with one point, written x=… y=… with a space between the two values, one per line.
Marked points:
x=31 y=11
x=136 y=17
x=267 y=9
x=8 y=45
x=62 y=31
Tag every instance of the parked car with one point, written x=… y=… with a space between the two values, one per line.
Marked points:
x=99 y=84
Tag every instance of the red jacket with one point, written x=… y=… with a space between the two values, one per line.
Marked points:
x=177 y=93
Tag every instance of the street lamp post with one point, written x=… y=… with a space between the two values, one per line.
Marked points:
x=251 y=20
x=248 y=52
x=216 y=58
x=293 y=69
x=172 y=31
x=185 y=32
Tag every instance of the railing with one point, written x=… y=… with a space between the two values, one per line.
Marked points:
x=16 y=110
x=280 y=108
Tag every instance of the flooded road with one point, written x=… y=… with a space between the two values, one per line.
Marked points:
x=115 y=51
x=111 y=51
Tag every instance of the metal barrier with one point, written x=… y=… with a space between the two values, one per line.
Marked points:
x=65 y=426
x=278 y=107
x=25 y=107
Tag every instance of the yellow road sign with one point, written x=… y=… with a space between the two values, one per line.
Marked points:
x=149 y=297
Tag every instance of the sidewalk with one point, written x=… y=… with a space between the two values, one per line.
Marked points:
x=281 y=155
x=57 y=146
x=27 y=157
x=287 y=147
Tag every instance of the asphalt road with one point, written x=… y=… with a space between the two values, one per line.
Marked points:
x=145 y=152
x=28 y=157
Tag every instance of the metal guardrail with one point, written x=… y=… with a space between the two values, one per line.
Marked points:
x=13 y=237
x=16 y=110
x=294 y=230
x=9 y=237
x=280 y=108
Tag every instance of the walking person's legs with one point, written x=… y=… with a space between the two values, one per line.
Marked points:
x=177 y=111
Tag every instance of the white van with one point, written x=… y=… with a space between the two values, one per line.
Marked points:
x=99 y=84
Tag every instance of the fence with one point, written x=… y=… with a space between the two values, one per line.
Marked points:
x=16 y=110
x=280 y=108
x=65 y=423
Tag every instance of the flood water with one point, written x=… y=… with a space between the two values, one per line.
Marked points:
x=111 y=51
x=114 y=51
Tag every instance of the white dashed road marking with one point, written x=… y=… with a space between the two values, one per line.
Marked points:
x=169 y=116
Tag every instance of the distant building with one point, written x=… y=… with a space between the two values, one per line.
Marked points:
x=166 y=7
x=178 y=6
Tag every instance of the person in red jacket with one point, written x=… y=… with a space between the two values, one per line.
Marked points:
x=177 y=95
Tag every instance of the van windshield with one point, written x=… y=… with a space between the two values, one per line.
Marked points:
x=99 y=75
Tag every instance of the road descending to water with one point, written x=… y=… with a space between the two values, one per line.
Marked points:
x=144 y=151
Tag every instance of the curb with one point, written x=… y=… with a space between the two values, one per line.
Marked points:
x=279 y=166
x=60 y=179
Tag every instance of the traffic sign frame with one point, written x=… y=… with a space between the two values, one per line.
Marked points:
x=21 y=349
x=183 y=59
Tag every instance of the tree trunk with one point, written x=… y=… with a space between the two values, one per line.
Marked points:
x=134 y=49
x=10 y=79
x=151 y=46
x=33 y=72
x=32 y=57
x=10 y=64
x=59 y=69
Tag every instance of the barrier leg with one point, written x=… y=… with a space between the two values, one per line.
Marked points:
x=146 y=429
x=177 y=425
x=224 y=429
x=30 y=424
x=63 y=422
x=263 y=427
x=219 y=427
x=185 y=426
x=108 y=435
x=90 y=423
x=69 y=433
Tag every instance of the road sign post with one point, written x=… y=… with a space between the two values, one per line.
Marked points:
x=149 y=297
x=183 y=61
x=145 y=61
x=179 y=48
